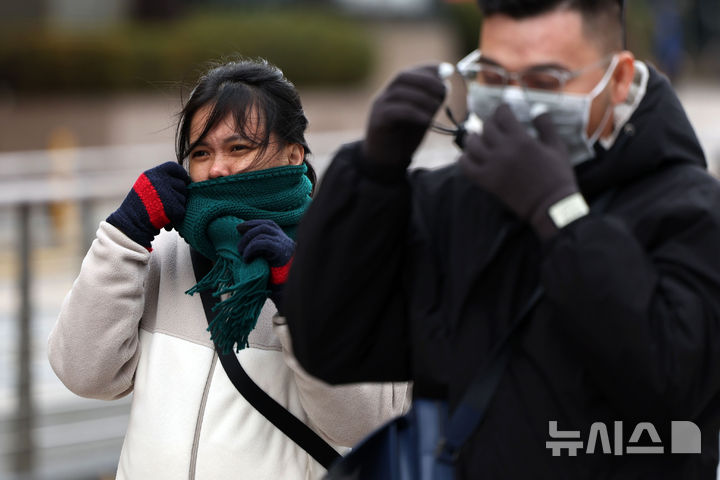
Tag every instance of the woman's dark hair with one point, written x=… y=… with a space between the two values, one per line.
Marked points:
x=243 y=88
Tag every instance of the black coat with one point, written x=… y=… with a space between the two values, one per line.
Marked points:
x=417 y=280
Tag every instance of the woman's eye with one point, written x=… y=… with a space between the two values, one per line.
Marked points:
x=198 y=154
x=238 y=148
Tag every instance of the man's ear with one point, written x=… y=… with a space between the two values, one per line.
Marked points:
x=622 y=77
x=295 y=153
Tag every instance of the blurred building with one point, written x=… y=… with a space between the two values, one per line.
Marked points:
x=66 y=12
x=89 y=12
x=394 y=8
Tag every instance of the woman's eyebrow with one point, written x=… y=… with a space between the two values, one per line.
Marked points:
x=230 y=139
x=235 y=138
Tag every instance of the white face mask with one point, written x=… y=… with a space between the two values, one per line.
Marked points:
x=569 y=112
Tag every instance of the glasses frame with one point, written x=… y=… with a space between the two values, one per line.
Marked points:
x=470 y=66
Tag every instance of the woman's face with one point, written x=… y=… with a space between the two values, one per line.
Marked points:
x=225 y=152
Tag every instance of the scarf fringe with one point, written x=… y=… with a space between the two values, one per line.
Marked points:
x=236 y=315
x=219 y=275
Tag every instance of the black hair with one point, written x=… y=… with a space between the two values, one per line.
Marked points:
x=243 y=88
x=605 y=17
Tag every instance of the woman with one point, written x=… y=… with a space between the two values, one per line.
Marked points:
x=133 y=321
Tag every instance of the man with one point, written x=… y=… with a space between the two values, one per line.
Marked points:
x=602 y=203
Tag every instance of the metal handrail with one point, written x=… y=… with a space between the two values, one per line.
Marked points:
x=42 y=178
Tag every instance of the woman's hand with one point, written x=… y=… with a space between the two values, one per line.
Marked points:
x=156 y=200
x=265 y=239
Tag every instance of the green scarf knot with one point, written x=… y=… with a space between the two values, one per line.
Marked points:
x=214 y=209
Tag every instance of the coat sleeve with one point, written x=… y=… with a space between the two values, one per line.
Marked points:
x=93 y=347
x=343 y=414
x=344 y=299
x=642 y=305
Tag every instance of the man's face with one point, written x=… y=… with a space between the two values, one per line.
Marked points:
x=555 y=39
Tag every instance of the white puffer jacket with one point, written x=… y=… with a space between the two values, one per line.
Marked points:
x=127 y=326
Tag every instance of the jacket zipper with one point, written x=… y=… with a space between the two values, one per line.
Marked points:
x=201 y=415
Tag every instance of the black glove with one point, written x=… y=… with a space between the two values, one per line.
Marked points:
x=265 y=239
x=399 y=118
x=156 y=200
x=529 y=175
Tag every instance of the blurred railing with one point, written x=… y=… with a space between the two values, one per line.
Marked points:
x=71 y=437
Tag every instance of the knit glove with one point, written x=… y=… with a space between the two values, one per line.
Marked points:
x=398 y=120
x=265 y=239
x=532 y=176
x=156 y=200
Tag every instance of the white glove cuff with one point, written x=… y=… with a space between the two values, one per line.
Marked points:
x=568 y=210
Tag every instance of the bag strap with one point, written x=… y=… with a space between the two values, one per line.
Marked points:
x=472 y=407
x=275 y=413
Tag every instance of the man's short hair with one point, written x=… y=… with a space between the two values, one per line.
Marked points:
x=603 y=20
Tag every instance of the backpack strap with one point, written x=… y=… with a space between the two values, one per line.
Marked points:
x=275 y=413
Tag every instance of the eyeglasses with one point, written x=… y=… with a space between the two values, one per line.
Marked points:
x=546 y=79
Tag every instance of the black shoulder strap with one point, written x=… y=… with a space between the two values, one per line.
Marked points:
x=275 y=413
x=472 y=407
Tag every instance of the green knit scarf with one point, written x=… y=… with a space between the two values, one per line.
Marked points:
x=214 y=209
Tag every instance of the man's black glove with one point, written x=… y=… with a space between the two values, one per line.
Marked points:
x=399 y=118
x=532 y=176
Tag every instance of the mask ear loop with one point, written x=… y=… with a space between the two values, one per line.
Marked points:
x=445 y=70
x=608 y=111
x=459 y=132
x=603 y=123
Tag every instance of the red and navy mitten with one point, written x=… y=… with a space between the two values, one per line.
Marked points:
x=156 y=200
x=265 y=239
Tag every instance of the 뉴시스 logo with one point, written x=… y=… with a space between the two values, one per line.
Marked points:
x=684 y=438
